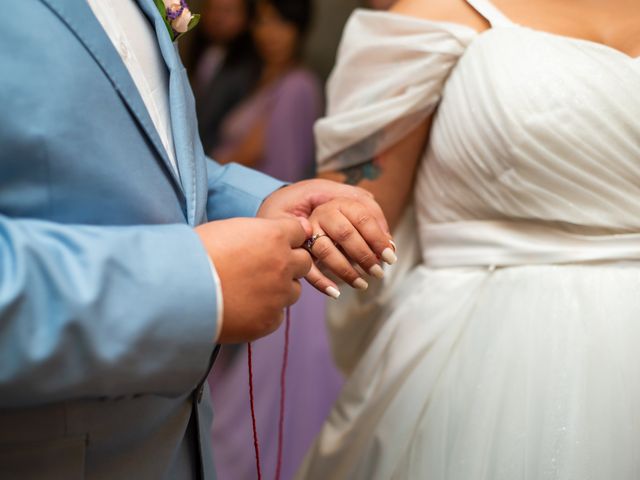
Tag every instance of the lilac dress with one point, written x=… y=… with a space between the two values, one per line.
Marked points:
x=290 y=108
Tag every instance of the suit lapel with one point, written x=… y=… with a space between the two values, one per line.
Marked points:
x=79 y=18
x=182 y=119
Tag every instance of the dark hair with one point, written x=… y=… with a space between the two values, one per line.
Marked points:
x=243 y=47
x=298 y=12
x=238 y=50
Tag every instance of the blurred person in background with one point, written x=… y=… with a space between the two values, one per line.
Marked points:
x=223 y=63
x=272 y=130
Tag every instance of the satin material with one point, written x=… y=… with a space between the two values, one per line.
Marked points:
x=502 y=243
x=510 y=350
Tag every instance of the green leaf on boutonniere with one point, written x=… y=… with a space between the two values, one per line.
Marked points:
x=194 y=21
x=163 y=13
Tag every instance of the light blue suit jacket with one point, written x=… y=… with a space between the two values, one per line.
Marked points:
x=107 y=302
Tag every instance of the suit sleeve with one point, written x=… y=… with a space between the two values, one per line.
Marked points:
x=236 y=191
x=90 y=312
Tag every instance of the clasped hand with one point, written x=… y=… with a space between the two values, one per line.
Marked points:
x=260 y=261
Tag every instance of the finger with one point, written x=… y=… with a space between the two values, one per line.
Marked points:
x=369 y=200
x=378 y=215
x=321 y=283
x=331 y=257
x=306 y=225
x=301 y=263
x=294 y=293
x=369 y=229
x=342 y=230
x=293 y=231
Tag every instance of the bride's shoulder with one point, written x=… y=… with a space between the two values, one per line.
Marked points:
x=451 y=11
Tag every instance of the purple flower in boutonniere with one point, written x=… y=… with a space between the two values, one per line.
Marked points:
x=177 y=17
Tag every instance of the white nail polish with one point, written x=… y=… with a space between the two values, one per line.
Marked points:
x=393 y=244
x=360 y=284
x=376 y=271
x=333 y=292
x=389 y=256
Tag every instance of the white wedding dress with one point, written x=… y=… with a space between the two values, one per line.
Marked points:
x=511 y=350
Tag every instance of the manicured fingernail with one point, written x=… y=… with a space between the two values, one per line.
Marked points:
x=376 y=271
x=393 y=244
x=389 y=256
x=360 y=284
x=333 y=292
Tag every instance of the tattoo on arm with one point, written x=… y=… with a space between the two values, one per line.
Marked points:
x=370 y=170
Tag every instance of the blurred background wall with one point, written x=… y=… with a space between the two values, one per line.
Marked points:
x=331 y=15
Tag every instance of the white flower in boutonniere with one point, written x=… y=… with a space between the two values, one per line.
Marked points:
x=177 y=17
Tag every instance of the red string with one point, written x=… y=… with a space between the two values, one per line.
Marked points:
x=283 y=372
x=283 y=391
x=256 y=447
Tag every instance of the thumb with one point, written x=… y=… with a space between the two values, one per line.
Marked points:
x=294 y=231
x=306 y=225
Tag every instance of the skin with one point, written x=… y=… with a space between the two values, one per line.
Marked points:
x=615 y=23
x=276 y=40
x=348 y=215
x=223 y=20
x=266 y=271
x=261 y=259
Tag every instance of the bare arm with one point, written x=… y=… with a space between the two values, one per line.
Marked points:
x=390 y=175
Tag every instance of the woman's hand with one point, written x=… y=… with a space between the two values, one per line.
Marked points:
x=345 y=236
x=345 y=225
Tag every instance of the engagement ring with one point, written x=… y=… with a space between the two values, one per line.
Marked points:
x=308 y=244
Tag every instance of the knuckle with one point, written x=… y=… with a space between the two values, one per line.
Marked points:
x=322 y=209
x=343 y=233
x=347 y=273
x=366 y=259
x=362 y=220
x=317 y=282
x=323 y=251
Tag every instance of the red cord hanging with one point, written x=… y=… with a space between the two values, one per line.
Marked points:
x=283 y=373
x=256 y=446
x=283 y=391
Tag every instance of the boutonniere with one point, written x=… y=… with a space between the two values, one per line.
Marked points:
x=177 y=17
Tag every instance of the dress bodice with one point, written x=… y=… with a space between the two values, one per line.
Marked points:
x=529 y=127
x=536 y=126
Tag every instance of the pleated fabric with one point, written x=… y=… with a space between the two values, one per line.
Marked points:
x=510 y=351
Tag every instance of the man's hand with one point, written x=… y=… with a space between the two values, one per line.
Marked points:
x=259 y=263
x=349 y=217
